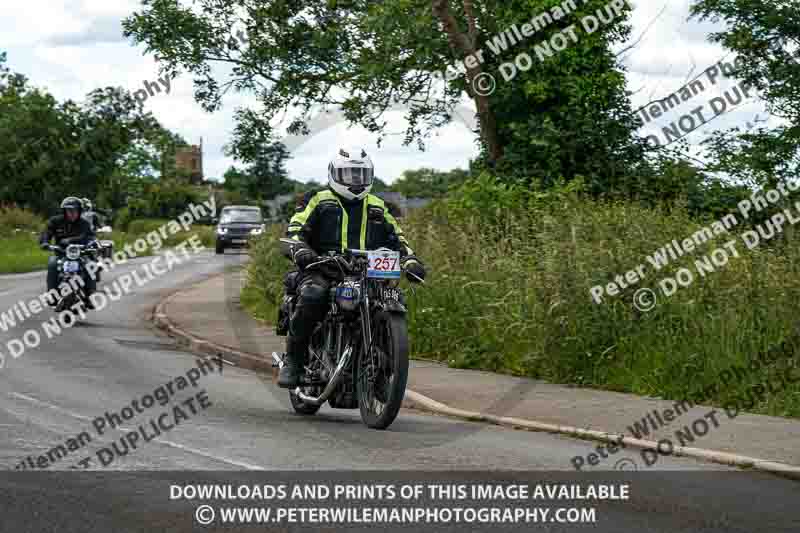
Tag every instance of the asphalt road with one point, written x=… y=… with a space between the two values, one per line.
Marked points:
x=241 y=422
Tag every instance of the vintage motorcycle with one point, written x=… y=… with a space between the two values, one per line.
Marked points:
x=72 y=261
x=358 y=355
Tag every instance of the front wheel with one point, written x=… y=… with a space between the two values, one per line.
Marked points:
x=383 y=374
x=67 y=302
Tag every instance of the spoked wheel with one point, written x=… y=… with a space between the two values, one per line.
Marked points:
x=383 y=374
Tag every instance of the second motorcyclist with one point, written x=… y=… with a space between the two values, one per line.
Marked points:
x=65 y=229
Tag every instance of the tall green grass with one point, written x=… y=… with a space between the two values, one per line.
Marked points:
x=508 y=291
x=19 y=237
x=263 y=290
x=20 y=253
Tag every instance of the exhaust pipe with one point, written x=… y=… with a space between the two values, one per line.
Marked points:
x=332 y=384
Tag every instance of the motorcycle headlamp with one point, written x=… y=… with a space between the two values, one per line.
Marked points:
x=73 y=252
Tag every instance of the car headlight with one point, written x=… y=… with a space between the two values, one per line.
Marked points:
x=73 y=252
x=222 y=231
x=256 y=231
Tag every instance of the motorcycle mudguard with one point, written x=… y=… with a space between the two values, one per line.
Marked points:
x=392 y=301
x=393 y=306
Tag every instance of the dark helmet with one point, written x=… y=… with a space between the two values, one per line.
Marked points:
x=70 y=202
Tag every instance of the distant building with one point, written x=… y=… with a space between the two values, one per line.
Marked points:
x=190 y=160
x=416 y=203
x=403 y=204
x=395 y=198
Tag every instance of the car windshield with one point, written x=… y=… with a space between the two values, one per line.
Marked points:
x=241 y=215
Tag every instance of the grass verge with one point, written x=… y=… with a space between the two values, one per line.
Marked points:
x=509 y=291
x=19 y=251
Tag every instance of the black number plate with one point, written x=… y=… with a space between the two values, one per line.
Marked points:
x=391 y=293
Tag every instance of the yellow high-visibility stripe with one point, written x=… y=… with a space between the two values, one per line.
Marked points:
x=368 y=201
x=300 y=219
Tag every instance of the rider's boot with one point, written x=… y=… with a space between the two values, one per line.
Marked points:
x=294 y=365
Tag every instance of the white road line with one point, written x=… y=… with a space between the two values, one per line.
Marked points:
x=159 y=440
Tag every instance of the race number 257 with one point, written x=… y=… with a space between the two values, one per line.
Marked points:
x=386 y=264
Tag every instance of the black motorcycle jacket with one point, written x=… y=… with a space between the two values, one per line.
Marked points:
x=65 y=232
x=93 y=220
x=325 y=222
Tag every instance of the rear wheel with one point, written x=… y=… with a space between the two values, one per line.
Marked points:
x=220 y=249
x=383 y=374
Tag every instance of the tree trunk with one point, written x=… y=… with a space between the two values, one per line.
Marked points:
x=464 y=44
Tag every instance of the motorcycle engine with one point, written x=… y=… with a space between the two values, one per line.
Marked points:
x=345 y=395
x=348 y=295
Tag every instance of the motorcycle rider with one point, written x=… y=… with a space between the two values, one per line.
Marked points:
x=89 y=215
x=323 y=219
x=67 y=228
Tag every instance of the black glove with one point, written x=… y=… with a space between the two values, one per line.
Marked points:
x=304 y=257
x=415 y=271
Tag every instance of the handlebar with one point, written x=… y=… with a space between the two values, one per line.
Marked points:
x=337 y=259
x=356 y=252
x=289 y=245
x=60 y=249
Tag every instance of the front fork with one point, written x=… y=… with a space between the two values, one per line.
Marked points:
x=366 y=328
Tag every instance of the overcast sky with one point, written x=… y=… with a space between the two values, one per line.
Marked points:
x=73 y=46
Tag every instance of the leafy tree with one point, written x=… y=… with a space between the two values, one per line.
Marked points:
x=265 y=178
x=32 y=126
x=105 y=148
x=378 y=185
x=766 y=39
x=567 y=115
x=268 y=177
x=428 y=182
x=235 y=180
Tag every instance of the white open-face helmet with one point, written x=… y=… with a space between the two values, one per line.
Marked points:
x=350 y=173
